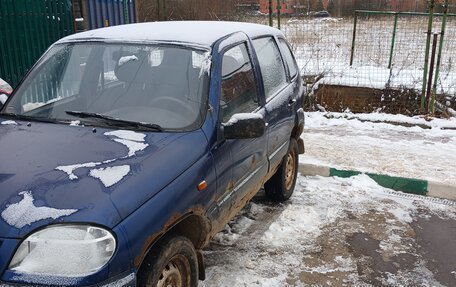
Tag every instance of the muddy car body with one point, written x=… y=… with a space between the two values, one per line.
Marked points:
x=138 y=143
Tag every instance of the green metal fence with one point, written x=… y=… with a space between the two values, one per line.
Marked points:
x=27 y=28
x=417 y=49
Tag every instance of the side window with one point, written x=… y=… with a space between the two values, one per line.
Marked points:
x=272 y=68
x=291 y=63
x=239 y=94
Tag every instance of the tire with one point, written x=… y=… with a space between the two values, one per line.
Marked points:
x=280 y=186
x=172 y=262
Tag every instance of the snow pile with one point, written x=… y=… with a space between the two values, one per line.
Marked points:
x=25 y=212
x=352 y=142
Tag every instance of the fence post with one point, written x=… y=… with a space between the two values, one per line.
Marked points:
x=165 y=14
x=393 y=41
x=426 y=56
x=125 y=12
x=431 y=73
x=354 y=39
x=158 y=10
x=439 y=56
x=270 y=14
x=278 y=13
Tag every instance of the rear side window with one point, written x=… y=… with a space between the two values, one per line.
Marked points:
x=239 y=93
x=291 y=63
x=272 y=68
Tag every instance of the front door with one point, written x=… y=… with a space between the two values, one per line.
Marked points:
x=248 y=160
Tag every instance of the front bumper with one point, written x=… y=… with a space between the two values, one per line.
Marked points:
x=120 y=281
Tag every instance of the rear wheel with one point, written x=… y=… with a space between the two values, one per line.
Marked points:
x=281 y=185
x=172 y=263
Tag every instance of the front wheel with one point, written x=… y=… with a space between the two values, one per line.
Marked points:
x=281 y=185
x=172 y=263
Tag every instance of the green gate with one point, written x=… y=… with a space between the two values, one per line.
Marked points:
x=27 y=29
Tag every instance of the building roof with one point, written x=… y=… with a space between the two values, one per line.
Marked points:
x=203 y=33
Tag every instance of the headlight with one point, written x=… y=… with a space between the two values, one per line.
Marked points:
x=69 y=250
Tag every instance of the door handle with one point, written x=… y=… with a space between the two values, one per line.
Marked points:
x=292 y=102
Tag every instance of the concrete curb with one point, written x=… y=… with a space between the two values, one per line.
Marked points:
x=407 y=185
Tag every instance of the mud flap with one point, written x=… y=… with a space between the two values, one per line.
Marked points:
x=201 y=266
x=301 y=148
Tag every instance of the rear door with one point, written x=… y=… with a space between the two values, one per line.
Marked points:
x=280 y=95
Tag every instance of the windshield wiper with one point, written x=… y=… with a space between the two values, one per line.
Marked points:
x=114 y=121
x=29 y=118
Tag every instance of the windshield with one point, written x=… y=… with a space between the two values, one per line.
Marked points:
x=96 y=83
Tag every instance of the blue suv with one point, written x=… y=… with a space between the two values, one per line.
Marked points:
x=126 y=149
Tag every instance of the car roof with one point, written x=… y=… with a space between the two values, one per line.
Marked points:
x=203 y=33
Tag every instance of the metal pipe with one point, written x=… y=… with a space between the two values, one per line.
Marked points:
x=426 y=56
x=431 y=73
x=278 y=13
x=271 y=23
x=354 y=39
x=399 y=13
x=439 y=56
x=393 y=41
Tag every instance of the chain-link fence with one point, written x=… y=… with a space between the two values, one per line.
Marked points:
x=385 y=51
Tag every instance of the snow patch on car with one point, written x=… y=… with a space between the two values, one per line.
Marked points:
x=109 y=176
x=133 y=147
x=25 y=212
x=132 y=140
x=9 y=123
x=127 y=135
x=69 y=169
x=242 y=116
x=206 y=65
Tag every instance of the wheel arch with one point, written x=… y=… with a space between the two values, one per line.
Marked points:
x=193 y=226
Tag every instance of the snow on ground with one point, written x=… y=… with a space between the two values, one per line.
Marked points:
x=348 y=141
x=318 y=238
x=13 y=123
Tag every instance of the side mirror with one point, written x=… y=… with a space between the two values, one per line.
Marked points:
x=244 y=126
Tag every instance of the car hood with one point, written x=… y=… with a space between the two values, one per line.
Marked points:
x=55 y=173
